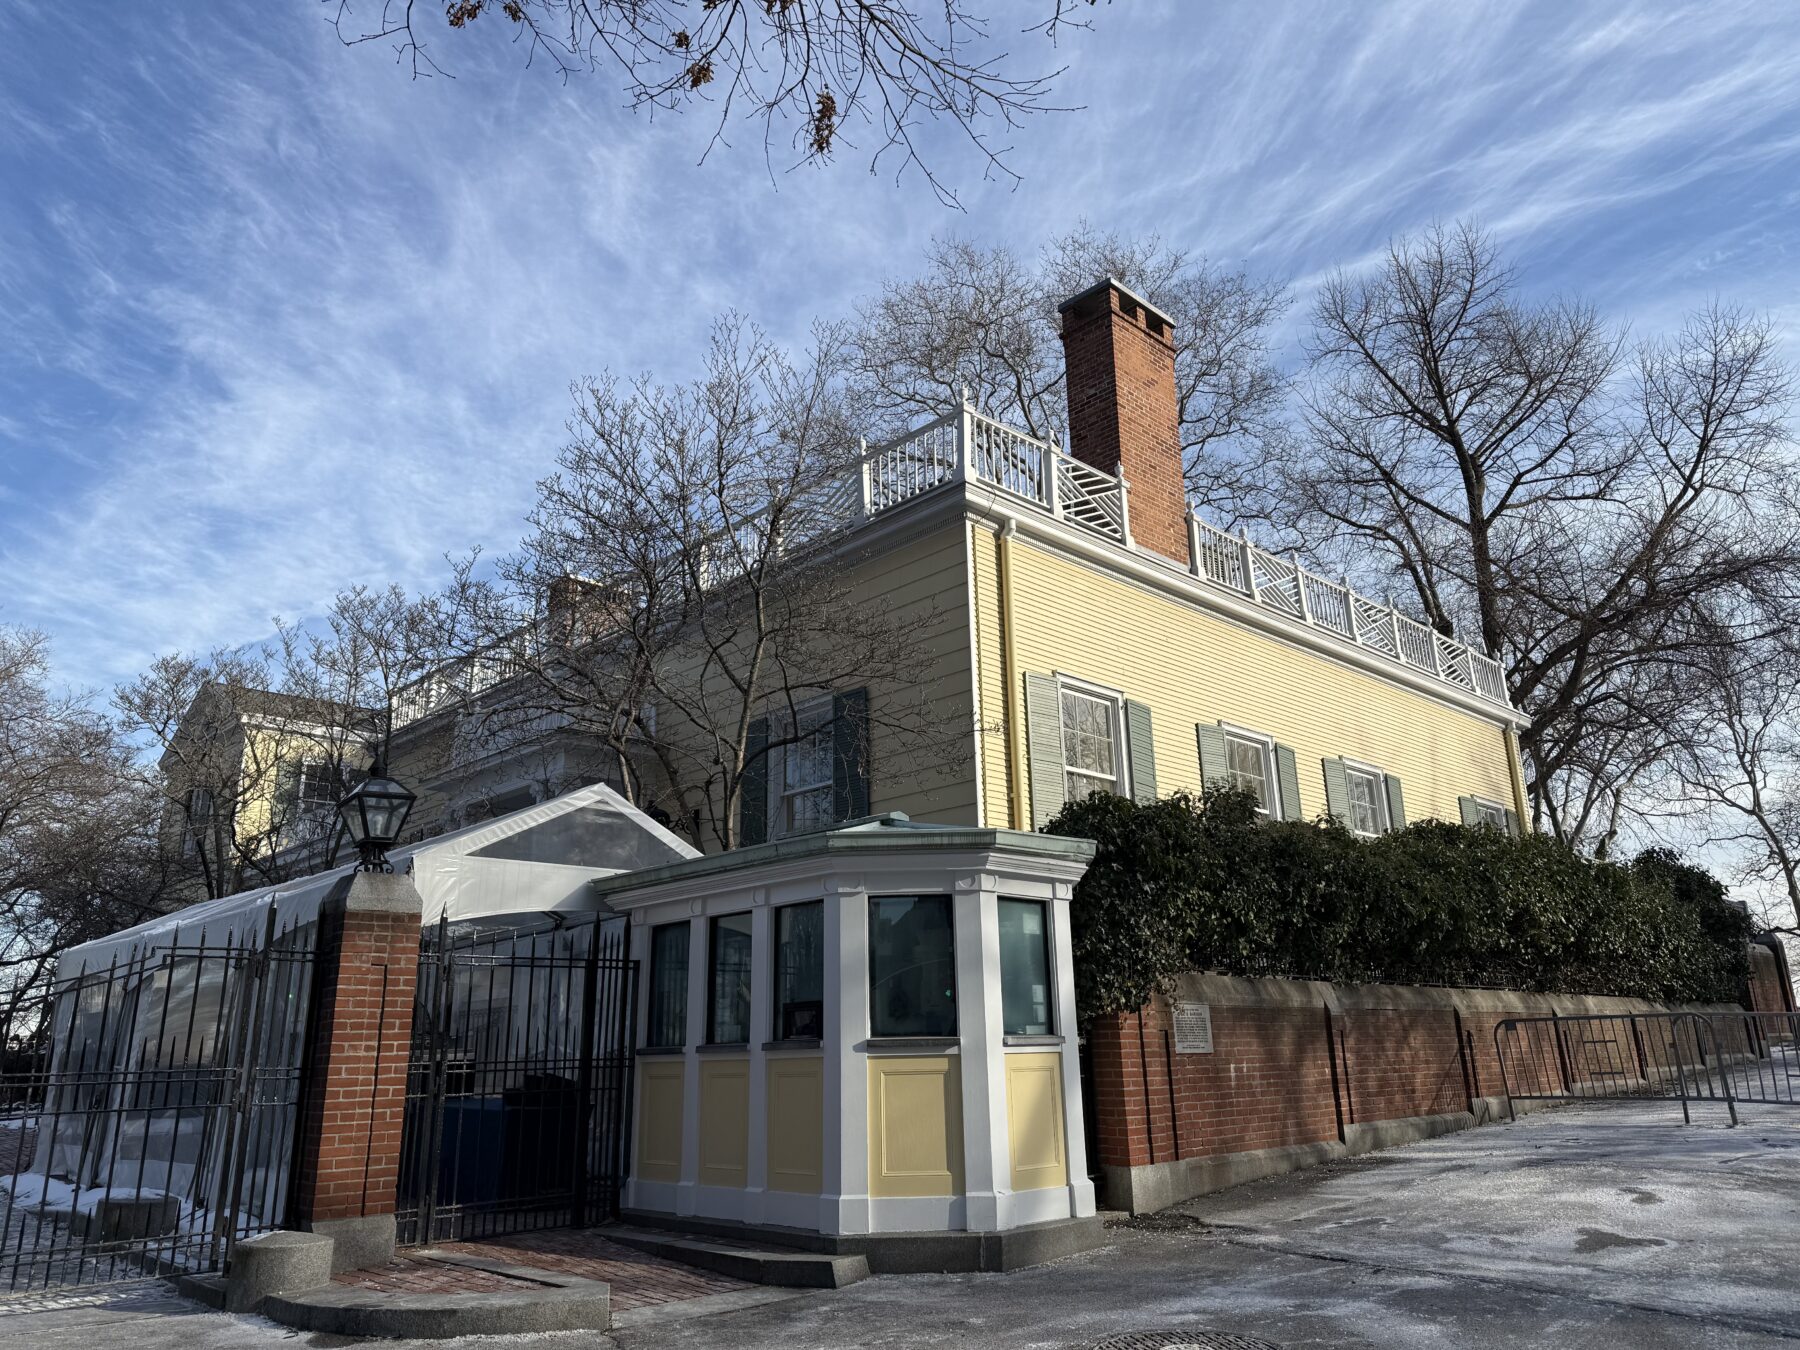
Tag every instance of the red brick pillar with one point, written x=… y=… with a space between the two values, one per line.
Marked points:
x=347 y=1156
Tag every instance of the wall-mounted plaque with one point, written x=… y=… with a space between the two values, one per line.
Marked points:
x=1193 y=1028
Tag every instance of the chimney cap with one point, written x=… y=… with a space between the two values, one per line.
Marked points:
x=1114 y=283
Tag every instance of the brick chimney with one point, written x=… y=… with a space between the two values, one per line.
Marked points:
x=1119 y=351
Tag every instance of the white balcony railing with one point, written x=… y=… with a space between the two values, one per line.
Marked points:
x=967 y=445
x=970 y=445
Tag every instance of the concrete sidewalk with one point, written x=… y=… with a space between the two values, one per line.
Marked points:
x=1587 y=1228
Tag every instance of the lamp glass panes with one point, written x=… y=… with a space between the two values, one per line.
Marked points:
x=374 y=812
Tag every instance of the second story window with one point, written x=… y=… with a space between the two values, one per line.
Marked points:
x=804 y=801
x=199 y=821
x=1366 y=791
x=1249 y=760
x=1090 y=735
x=318 y=786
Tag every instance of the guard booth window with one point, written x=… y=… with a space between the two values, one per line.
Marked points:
x=912 y=966
x=667 y=1027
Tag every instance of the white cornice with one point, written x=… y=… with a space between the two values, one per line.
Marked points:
x=1169 y=578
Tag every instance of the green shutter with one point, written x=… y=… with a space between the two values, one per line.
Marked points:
x=1396 y=803
x=1043 y=740
x=850 y=755
x=753 y=786
x=1471 y=813
x=1512 y=823
x=1337 y=790
x=1143 y=754
x=1214 y=766
x=1289 y=770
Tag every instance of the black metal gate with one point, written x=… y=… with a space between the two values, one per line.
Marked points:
x=148 y=1109
x=1731 y=1058
x=518 y=1089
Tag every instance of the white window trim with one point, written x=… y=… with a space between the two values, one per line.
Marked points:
x=1498 y=808
x=1121 y=751
x=1271 y=769
x=778 y=791
x=1381 y=799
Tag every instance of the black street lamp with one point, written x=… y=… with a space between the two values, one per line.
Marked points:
x=374 y=813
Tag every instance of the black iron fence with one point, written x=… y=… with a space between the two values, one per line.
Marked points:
x=148 y=1109
x=1730 y=1058
x=518 y=1089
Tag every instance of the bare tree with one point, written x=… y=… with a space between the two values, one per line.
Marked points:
x=687 y=595
x=1739 y=764
x=1583 y=517
x=985 y=320
x=77 y=855
x=827 y=69
x=253 y=747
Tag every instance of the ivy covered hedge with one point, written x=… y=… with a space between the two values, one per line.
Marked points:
x=1197 y=883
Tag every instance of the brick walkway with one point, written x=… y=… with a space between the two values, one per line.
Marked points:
x=637 y=1280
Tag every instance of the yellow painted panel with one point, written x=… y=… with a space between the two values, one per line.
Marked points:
x=660 y=1092
x=797 y=1124
x=1192 y=666
x=1034 y=1121
x=724 y=1121
x=915 y=1126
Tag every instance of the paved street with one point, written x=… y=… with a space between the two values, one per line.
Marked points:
x=1598 y=1227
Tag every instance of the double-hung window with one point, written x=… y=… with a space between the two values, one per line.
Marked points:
x=199 y=821
x=1250 y=766
x=1490 y=813
x=1092 y=741
x=1366 y=791
x=803 y=784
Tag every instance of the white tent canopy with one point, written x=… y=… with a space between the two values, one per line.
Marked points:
x=537 y=859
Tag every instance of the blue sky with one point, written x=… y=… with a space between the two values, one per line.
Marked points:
x=247 y=276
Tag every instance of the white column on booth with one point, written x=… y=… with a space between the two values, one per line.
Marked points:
x=1081 y=1189
x=762 y=964
x=685 y=1200
x=987 y=1168
x=844 y=1204
x=638 y=937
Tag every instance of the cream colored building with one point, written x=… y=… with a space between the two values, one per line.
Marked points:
x=1091 y=632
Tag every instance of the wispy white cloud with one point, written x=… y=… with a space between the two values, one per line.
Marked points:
x=286 y=320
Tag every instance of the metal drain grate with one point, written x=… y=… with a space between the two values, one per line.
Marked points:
x=1189 y=1338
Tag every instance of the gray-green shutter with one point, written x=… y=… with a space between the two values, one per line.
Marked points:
x=1043 y=739
x=1471 y=813
x=1512 y=823
x=1288 y=768
x=1396 y=803
x=850 y=754
x=753 y=788
x=1337 y=790
x=1143 y=754
x=1214 y=766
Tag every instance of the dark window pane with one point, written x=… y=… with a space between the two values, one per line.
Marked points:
x=668 y=984
x=728 y=981
x=800 y=971
x=912 y=967
x=1024 y=968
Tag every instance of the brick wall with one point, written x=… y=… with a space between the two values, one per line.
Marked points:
x=348 y=1156
x=1296 y=1065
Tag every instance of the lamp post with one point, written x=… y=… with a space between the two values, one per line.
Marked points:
x=374 y=812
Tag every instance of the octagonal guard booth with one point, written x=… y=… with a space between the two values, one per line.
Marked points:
x=863 y=1040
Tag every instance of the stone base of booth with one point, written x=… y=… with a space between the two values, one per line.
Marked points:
x=908 y=1253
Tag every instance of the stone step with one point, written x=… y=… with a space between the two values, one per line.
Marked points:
x=782 y=1267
